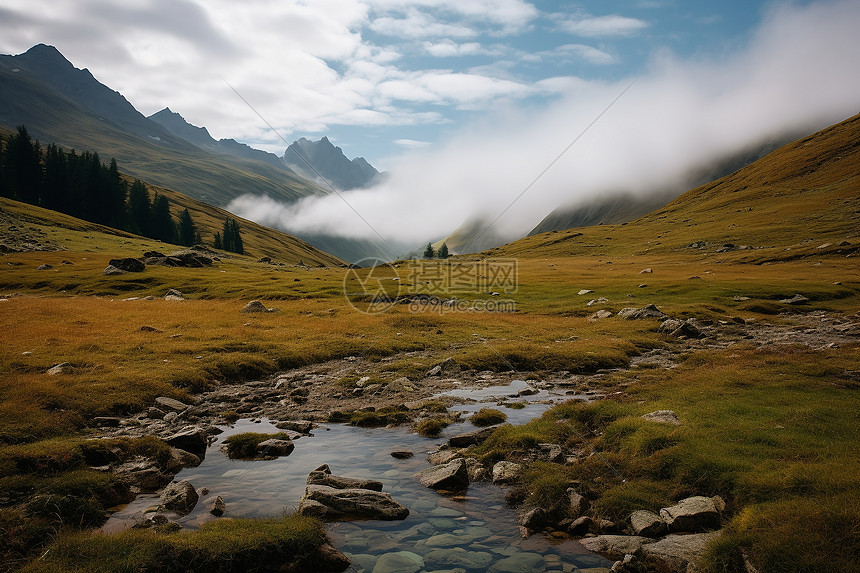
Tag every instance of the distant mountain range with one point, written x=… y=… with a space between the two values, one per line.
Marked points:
x=317 y=161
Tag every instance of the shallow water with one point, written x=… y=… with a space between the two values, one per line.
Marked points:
x=475 y=531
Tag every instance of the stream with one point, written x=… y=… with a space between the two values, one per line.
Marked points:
x=473 y=532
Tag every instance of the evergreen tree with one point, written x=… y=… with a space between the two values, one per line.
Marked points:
x=429 y=253
x=23 y=167
x=163 y=228
x=187 y=230
x=218 y=243
x=231 y=238
x=55 y=190
x=443 y=251
x=117 y=190
x=139 y=209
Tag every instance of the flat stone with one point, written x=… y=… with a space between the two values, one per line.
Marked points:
x=519 y=562
x=324 y=477
x=663 y=417
x=191 y=439
x=696 y=513
x=615 y=546
x=171 y=403
x=342 y=504
x=650 y=311
x=61 y=368
x=399 y=562
x=452 y=476
x=458 y=557
x=472 y=438
x=647 y=523
x=275 y=447
x=677 y=552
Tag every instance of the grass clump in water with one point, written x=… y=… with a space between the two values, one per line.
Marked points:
x=488 y=417
x=432 y=427
x=244 y=445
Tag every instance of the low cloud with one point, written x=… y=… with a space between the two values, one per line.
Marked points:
x=796 y=74
x=601 y=26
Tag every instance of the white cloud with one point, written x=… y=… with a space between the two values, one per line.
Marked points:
x=600 y=26
x=448 y=48
x=791 y=77
x=411 y=143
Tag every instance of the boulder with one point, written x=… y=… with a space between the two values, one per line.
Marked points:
x=585 y=291
x=111 y=270
x=647 y=271
x=650 y=311
x=452 y=476
x=170 y=403
x=45 y=267
x=180 y=497
x=471 y=438
x=663 y=417
x=61 y=368
x=647 y=523
x=144 y=474
x=129 y=265
x=174 y=294
x=476 y=471
x=676 y=552
x=796 y=299
x=273 y=448
x=578 y=503
x=615 y=546
x=598 y=300
x=301 y=426
x=331 y=503
x=256 y=306
x=323 y=476
x=446 y=367
x=696 y=513
x=580 y=526
x=181 y=459
x=534 y=518
x=218 y=507
x=443 y=457
x=457 y=557
x=678 y=328
x=191 y=439
x=402 y=454
x=505 y=472
x=599 y=315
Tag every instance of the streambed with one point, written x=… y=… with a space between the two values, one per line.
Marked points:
x=475 y=531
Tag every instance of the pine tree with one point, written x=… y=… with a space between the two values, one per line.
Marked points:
x=163 y=228
x=23 y=168
x=140 y=209
x=218 y=243
x=429 y=253
x=231 y=238
x=187 y=229
x=443 y=251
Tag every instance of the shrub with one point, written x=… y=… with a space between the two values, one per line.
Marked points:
x=244 y=445
x=432 y=427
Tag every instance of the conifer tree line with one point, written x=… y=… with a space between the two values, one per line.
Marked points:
x=79 y=184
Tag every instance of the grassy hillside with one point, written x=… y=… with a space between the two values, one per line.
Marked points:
x=792 y=202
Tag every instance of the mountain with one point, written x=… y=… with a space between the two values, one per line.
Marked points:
x=322 y=162
x=68 y=106
x=199 y=136
x=801 y=200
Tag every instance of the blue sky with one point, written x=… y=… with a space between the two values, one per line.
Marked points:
x=377 y=76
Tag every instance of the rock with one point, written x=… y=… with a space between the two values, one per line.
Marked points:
x=599 y=300
x=402 y=455
x=331 y=503
x=444 y=540
x=401 y=384
x=452 y=476
x=676 y=552
x=696 y=513
x=274 y=447
x=218 y=507
x=578 y=503
x=534 y=518
x=458 y=557
x=61 y=368
x=580 y=526
x=154 y=413
x=180 y=497
x=256 y=306
x=45 y=267
x=191 y=439
x=476 y=471
x=663 y=417
x=325 y=558
x=144 y=474
x=446 y=367
x=181 y=459
x=302 y=426
x=796 y=299
x=650 y=311
x=505 y=472
x=615 y=546
x=551 y=453
x=129 y=265
x=647 y=523
x=676 y=327
x=170 y=403
x=174 y=294
x=471 y=438
x=399 y=562
x=111 y=270
x=600 y=314
x=443 y=457
x=518 y=562
x=585 y=291
x=647 y=271
x=323 y=476
x=608 y=527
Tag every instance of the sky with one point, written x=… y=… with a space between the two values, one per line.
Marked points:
x=491 y=110
x=377 y=77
